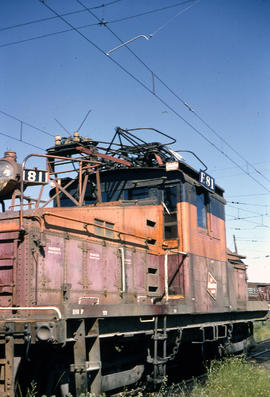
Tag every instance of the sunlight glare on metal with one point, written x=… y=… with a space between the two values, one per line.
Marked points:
x=127 y=42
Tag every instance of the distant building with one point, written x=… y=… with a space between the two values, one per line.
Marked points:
x=259 y=291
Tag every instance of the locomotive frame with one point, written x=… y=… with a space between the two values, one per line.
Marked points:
x=128 y=263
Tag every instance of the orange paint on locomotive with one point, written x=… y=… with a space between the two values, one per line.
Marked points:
x=130 y=249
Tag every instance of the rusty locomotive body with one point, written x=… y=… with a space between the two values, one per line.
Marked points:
x=102 y=282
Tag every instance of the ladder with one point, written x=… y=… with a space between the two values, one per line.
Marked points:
x=159 y=359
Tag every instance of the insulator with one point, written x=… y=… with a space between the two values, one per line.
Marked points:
x=58 y=141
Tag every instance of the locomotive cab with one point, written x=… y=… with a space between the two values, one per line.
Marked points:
x=117 y=261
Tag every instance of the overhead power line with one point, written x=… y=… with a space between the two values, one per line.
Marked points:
x=101 y=22
x=42 y=36
x=153 y=75
x=244 y=210
x=253 y=241
x=149 y=36
x=36 y=21
x=257 y=225
x=150 y=12
x=153 y=93
x=237 y=218
x=250 y=195
x=254 y=205
x=230 y=146
x=25 y=123
x=20 y=140
x=185 y=103
x=180 y=99
x=19 y=25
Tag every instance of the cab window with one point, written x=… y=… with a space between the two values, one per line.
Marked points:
x=201 y=204
x=137 y=193
x=170 y=212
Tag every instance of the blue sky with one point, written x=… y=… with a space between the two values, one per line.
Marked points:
x=214 y=56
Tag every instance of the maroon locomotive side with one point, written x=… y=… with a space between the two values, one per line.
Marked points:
x=127 y=249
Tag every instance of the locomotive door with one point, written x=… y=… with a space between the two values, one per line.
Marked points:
x=173 y=261
x=174 y=276
x=169 y=203
x=241 y=290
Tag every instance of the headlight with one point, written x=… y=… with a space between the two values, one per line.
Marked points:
x=6 y=170
x=8 y=177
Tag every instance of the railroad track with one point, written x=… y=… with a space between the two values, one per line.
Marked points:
x=185 y=385
x=260 y=354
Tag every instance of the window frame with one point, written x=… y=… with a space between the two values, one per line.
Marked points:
x=99 y=228
x=202 y=211
x=173 y=222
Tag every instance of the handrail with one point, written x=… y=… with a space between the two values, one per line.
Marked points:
x=93 y=224
x=16 y=308
x=123 y=269
x=48 y=157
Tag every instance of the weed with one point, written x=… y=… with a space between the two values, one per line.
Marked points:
x=32 y=390
x=231 y=377
x=261 y=330
x=234 y=377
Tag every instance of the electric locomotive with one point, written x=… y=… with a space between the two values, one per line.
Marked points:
x=112 y=257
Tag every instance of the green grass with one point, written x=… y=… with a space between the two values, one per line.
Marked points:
x=261 y=330
x=232 y=377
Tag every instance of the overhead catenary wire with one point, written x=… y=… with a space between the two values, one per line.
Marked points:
x=149 y=12
x=248 y=204
x=185 y=103
x=238 y=174
x=21 y=141
x=101 y=22
x=149 y=36
x=19 y=25
x=178 y=97
x=22 y=122
x=231 y=168
x=36 y=21
x=175 y=16
x=43 y=36
x=237 y=218
x=250 y=195
x=71 y=29
x=163 y=101
x=159 y=98
x=244 y=220
x=240 y=228
x=25 y=123
x=150 y=91
x=84 y=119
x=64 y=128
x=230 y=146
x=245 y=210
x=253 y=240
